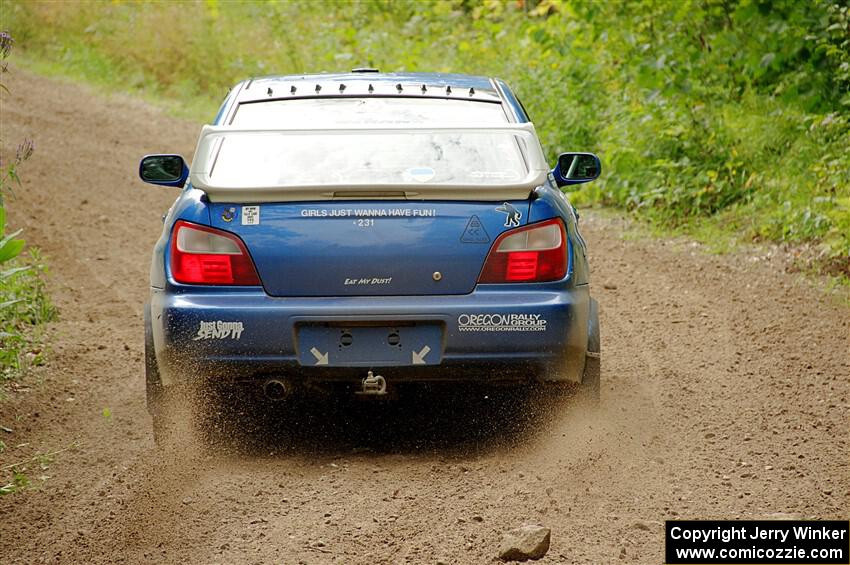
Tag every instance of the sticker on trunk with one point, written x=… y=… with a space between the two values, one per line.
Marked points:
x=368 y=281
x=366 y=213
x=512 y=215
x=250 y=215
x=419 y=174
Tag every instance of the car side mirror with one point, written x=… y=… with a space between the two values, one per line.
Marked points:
x=164 y=170
x=576 y=168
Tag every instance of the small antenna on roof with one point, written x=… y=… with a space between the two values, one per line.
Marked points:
x=318 y=88
x=424 y=89
x=448 y=90
x=292 y=89
x=269 y=91
x=342 y=88
x=398 y=87
x=371 y=89
x=472 y=92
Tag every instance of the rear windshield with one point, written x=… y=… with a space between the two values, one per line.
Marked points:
x=330 y=112
x=326 y=154
x=364 y=159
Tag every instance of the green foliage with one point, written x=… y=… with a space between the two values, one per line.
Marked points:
x=9 y=171
x=19 y=482
x=19 y=473
x=731 y=113
x=24 y=308
x=24 y=305
x=10 y=247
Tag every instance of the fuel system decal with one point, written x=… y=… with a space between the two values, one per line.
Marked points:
x=475 y=232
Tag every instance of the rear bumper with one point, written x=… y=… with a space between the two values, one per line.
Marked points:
x=491 y=334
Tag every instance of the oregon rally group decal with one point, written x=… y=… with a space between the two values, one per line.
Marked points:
x=501 y=323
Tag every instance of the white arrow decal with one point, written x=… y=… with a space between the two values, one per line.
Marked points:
x=419 y=358
x=321 y=358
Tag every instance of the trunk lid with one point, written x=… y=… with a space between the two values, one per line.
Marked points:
x=369 y=248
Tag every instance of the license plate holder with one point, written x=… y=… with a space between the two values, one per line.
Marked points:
x=322 y=345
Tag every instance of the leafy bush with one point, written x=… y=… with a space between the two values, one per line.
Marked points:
x=730 y=113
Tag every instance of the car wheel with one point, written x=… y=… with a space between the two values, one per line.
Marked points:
x=590 y=381
x=156 y=396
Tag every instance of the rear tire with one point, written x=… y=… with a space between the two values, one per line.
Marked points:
x=157 y=402
x=590 y=380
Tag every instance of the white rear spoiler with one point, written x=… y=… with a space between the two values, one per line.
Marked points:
x=324 y=185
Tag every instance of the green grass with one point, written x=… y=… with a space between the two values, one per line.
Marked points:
x=196 y=108
x=24 y=309
x=725 y=119
x=24 y=305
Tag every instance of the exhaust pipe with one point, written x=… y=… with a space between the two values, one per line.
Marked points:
x=277 y=390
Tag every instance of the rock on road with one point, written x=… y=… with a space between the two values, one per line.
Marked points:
x=725 y=394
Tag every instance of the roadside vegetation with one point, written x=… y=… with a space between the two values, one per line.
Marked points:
x=725 y=119
x=24 y=304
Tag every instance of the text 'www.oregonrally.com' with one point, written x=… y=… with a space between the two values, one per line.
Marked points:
x=763 y=542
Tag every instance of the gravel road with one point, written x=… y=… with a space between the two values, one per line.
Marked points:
x=726 y=394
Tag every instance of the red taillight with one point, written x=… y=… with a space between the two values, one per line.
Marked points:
x=535 y=253
x=202 y=255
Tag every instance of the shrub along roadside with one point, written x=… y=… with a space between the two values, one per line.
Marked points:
x=721 y=116
x=24 y=305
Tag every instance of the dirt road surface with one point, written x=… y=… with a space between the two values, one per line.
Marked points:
x=726 y=394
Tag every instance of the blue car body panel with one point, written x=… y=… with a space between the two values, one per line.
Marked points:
x=363 y=248
x=304 y=252
x=552 y=339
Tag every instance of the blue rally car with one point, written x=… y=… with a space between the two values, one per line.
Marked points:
x=364 y=230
